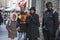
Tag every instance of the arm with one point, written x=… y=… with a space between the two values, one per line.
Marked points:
x=43 y=21
x=56 y=20
x=8 y=26
x=36 y=20
x=28 y=20
x=18 y=23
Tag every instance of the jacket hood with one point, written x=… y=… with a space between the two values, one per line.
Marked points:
x=11 y=17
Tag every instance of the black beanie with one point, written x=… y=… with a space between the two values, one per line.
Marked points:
x=47 y=4
x=33 y=8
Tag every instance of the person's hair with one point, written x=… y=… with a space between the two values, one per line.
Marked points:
x=33 y=8
x=49 y=3
x=14 y=15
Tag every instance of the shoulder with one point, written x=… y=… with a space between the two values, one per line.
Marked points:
x=55 y=11
x=37 y=15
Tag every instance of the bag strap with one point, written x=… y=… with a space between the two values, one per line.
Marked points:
x=54 y=11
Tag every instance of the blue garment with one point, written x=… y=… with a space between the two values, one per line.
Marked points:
x=1 y=19
x=22 y=36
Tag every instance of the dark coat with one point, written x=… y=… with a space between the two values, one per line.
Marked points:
x=22 y=26
x=1 y=19
x=33 y=26
x=58 y=35
x=50 y=21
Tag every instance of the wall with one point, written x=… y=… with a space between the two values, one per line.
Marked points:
x=3 y=3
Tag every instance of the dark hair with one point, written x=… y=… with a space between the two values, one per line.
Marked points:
x=47 y=4
x=33 y=8
x=0 y=10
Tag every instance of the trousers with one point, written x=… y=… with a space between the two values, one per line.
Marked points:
x=22 y=36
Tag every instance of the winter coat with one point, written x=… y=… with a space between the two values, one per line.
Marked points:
x=12 y=26
x=33 y=26
x=57 y=35
x=1 y=19
x=50 y=21
x=22 y=18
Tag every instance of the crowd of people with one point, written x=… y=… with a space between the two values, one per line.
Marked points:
x=27 y=24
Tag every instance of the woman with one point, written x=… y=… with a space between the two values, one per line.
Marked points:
x=11 y=27
x=33 y=25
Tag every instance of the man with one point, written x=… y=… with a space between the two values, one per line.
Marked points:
x=1 y=18
x=50 y=22
x=33 y=25
x=21 y=24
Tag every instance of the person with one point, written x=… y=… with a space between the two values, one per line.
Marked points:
x=5 y=18
x=50 y=22
x=21 y=25
x=11 y=27
x=1 y=18
x=33 y=25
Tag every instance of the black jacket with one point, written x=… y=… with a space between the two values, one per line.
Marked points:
x=1 y=19
x=50 y=20
x=33 y=25
x=22 y=26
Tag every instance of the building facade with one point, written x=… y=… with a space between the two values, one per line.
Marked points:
x=3 y=3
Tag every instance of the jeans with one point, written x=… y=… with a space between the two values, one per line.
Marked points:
x=22 y=36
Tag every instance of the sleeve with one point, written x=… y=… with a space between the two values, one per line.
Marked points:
x=8 y=26
x=43 y=21
x=56 y=20
x=1 y=18
x=18 y=22
x=28 y=20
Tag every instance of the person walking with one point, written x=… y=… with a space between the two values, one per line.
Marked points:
x=33 y=25
x=21 y=24
x=50 y=22
x=1 y=18
x=11 y=27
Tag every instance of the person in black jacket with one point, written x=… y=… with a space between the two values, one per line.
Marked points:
x=21 y=25
x=33 y=25
x=50 y=22
x=1 y=18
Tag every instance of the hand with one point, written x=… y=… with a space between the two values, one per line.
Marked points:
x=10 y=30
x=20 y=22
x=18 y=29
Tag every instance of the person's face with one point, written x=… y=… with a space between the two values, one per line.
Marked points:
x=49 y=7
x=14 y=16
x=32 y=11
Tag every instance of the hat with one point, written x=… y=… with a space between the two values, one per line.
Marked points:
x=47 y=4
x=33 y=8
